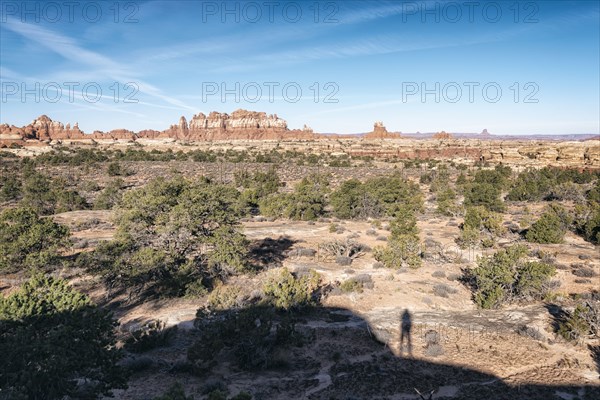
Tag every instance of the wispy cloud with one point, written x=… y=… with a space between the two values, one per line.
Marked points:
x=374 y=45
x=357 y=107
x=103 y=66
x=343 y=14
x=379 y=10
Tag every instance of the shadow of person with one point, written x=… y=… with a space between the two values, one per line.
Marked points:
x=405 y=335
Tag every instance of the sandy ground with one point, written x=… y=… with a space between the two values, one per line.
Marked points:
x=472 y=340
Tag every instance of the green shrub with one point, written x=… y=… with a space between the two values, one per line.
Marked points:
x=583 y=321
x=567 y=191
x=116 y=169
x=7 y=154
x=275 y=205
x=593 y=195
x=548 y=183
x=401 y=252
x=483 y=194
x=203 y=156
x=28 y=241
x=90 y=186
x=229 y=251
x=224 y=298
x=375 y=198
x=217 y=395
x=259 y=184
x=446 y=202
x=531 y=279
x=357 y=284
x=469 y=237
x=403 y=248
x=499 y=177
x=52 y=338
x=10 y=187
x=151 y=335
x=425 y=178
x=286 y=290
x=506 y=276
x=587 y=221
x=440 y=179
x=480 y=226
x=404 y=223
x=110 y=196
x=48 y=196
x=351 y=285
x=351 y=200
x=306 y=203
x=162 y=229
x=395 y=192
x=252 y=350
x=550 y=227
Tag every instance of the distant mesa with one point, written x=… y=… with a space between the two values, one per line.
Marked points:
x=485 y=132
x=380 y=132
x=442 y=135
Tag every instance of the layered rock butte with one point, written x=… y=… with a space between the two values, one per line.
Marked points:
x=257 y=130
x=240 y=125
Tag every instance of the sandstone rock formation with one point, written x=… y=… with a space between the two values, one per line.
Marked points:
x=42 y=129
x=442 y=135
x=380 y=132
x=240 y=125
x=242 y=128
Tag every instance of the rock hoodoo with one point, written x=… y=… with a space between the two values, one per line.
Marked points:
x=240 y=125
x=380 y=132
x=42 y=129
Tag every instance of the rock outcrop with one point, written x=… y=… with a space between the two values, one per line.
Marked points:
x=380 y=132
x=255 y=130
x=240 y=125
x=442 y=135
x=42 y=129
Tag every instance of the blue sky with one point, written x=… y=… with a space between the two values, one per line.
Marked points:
x=353 y=62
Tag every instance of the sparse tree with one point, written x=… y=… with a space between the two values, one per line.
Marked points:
x=28 y=241
x=54 y=338
x=171 y=234
x=403 y=248
x=507 y=276
x=550 y=227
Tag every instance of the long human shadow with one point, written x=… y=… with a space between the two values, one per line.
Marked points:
x=406 y=332
x=314 y=353
x=334 y=354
